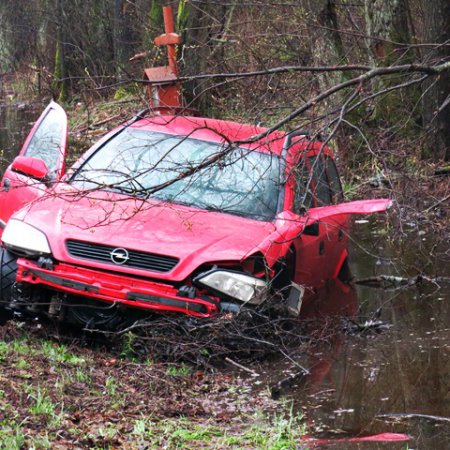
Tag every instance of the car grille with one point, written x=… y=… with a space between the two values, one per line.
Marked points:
x=136 y=259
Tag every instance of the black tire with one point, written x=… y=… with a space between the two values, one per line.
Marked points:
x=8 y=271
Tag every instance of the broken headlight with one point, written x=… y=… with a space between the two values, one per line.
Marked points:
x=234 y=284
x=24 y=238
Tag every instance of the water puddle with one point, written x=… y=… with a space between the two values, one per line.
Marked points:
x=383 y=364
x=15 y=124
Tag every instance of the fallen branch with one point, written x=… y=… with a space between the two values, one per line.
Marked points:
x=404 y=416
x=437 y=203
x=285 y=384
x=98 y=124
x=240 y=366
x=384 y=281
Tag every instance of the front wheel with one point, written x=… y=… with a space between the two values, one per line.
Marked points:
x=8 y=271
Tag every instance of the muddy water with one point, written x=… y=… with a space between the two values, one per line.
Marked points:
x=394 y=374
x=392 y=377
x=15 y=123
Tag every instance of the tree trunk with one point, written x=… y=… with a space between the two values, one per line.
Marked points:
x=60 y=71
x=201 y=26
x=123 y=35
x=388 y=30
x=327 y=47
x=436 y=93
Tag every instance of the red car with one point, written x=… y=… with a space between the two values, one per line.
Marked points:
x=170 y=214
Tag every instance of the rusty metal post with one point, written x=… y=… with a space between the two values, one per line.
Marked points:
x=164 y=92
x=169 y=29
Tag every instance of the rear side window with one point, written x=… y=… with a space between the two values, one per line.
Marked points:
x=322 y=188
x=303 y=187
x=333 y=179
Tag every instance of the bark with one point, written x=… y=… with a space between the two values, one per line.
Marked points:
x=327 y=47
x=435 y=100
x=388 y=30
x=60 y=72
x=201 y=26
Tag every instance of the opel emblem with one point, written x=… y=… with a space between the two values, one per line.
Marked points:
x=119 y=256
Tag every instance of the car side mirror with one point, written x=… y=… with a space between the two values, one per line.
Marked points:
x=311 y=230
x=32 y=167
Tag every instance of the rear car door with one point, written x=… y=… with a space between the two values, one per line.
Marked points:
x=45 y=143
x=322 y=244
x=333 y=229
x=307 y=244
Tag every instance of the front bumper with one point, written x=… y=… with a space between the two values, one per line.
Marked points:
x=114 y=288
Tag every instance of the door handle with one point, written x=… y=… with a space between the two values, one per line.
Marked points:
x=321 y=247
x=6 y=184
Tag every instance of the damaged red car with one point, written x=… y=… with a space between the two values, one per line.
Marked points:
x=172 y=214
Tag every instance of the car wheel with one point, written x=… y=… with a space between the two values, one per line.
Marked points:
x=8 y=270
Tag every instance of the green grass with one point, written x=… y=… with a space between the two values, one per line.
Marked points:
x=179 y=371
x=11 y=435
x=48 y=385
x=59 y=354
x=282 y=432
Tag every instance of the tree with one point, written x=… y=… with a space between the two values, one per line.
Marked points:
x=436 y=93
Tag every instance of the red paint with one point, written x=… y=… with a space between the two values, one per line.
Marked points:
x=33 y=167
x=24 y=189
x=111 y=288
x=382 y=437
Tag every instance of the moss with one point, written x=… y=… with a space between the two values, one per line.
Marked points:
x=182 y=15
x=59 y=84
x=156 y=14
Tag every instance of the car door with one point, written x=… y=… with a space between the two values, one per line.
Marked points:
x=46 y=143
x=307 y=245
x=322 y=244
x=333 y=239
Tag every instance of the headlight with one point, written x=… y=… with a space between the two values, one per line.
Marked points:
x=25 y=238
x=237 y=285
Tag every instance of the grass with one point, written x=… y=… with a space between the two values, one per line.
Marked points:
x=11 y=435
x=279 y=433
x=59 y=354
x=54 y=397
x=179 y=371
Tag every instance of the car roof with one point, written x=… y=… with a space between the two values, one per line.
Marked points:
x=215 y=130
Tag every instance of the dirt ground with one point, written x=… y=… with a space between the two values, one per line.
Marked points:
x=86 y=395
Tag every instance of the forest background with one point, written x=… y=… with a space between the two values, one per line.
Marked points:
x=374 y=74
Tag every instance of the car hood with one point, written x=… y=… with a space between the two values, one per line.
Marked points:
x=192 y=235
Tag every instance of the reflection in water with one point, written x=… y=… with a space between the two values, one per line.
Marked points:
x=15 y=124
x=379 y=381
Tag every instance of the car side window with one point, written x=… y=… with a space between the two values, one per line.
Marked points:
x=322 y=188
x=46 y=141
x=303 y=194
x=333 y=178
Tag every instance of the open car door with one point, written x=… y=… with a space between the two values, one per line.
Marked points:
x=40 y=163
x=361 y=207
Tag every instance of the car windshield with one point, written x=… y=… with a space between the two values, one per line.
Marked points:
x=186 y=171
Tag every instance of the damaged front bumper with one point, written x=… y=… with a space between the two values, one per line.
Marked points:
x=117 y=289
